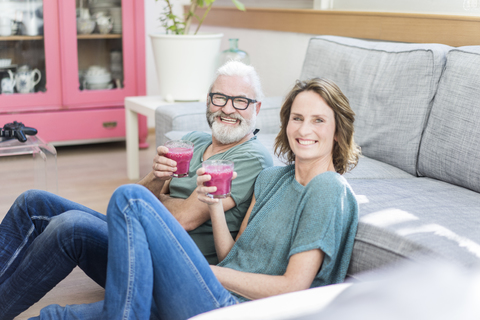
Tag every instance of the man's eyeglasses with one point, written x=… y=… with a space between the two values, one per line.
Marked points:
x=239 y=103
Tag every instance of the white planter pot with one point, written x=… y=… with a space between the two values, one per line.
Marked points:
x=185 y=64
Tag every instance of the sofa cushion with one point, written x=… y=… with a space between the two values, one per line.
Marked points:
x=368 y=168
x=390 y=87
x=450 y=148
x=412 y=219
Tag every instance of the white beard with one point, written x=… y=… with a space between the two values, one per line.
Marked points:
x=226 y=134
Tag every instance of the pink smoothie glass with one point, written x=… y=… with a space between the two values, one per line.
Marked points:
x=181 y=151
x=221 y=172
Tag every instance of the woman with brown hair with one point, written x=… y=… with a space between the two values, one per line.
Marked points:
x=299 y=229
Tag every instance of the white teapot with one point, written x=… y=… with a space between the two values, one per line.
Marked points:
x=8 y=84
x=25 y=79
x=104 y=23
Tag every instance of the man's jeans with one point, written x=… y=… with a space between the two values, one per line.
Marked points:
x=151 y=260
x=42 y=238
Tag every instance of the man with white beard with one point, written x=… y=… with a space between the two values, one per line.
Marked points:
x=233 y=103
x=44 y=236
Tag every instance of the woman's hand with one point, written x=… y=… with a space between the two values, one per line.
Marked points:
x=162 y=166
x=202 y=190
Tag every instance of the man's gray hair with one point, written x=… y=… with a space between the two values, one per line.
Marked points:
x=236 y=68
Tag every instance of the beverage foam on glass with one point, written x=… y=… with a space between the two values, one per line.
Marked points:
x=221 y=172
x=181 y=151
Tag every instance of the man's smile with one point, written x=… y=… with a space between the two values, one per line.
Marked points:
x=228 y=120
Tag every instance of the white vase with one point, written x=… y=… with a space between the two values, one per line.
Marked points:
x=185 y=64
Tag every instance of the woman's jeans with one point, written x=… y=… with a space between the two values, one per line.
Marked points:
x=151 y=261
x=42 y=238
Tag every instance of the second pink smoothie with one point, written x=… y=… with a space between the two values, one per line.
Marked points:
x=221 y=178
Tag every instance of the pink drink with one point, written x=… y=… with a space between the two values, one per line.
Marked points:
x=182 y=156
x=221 y=178
x=181 y=151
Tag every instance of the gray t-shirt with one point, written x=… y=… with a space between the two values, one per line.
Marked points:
x=289 y=218
x=249 y=158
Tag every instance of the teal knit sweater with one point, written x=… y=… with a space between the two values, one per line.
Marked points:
x=289 y=218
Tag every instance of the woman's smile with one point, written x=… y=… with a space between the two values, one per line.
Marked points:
x=306 y=142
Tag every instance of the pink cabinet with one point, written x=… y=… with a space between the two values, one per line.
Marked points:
x=67 y=65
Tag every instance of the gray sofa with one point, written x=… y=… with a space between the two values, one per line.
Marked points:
x=418 y=123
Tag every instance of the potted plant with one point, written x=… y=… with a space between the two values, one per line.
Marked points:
x=185 y=61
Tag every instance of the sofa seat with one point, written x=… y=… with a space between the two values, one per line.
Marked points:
x=412 y=219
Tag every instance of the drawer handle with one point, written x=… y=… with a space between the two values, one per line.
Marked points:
x=110 y=124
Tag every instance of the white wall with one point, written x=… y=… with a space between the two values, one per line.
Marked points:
x=278 y=56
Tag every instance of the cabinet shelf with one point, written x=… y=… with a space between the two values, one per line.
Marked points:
x=17 y=38
x=99 y=36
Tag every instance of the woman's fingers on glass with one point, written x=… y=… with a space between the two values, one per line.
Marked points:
x=202 y=178
x=234 y=175
x=200 y=171
x=201 y=189
x=203 y=194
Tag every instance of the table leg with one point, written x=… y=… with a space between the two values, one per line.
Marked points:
x=133 y=163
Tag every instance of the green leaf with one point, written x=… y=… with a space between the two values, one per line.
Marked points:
x=209 y=2
x=240 y=6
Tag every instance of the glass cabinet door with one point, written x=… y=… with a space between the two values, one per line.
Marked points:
x=29 y=55
x=97 y=41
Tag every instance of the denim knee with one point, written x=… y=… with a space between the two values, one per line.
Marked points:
x=32 y=196
x=130 y=191
x=76 y=228
x=129 y=195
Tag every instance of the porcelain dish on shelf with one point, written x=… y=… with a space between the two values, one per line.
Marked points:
x=85 y=26
x=101 y=78
x=99 y=86
x=5 y=63
x=96 y=78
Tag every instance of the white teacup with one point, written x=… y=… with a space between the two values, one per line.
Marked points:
x=5 y=27
x=7 y=85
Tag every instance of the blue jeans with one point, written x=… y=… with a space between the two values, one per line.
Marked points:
x=152 y=261
x=42 y=238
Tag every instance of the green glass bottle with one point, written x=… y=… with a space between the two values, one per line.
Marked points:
x=233 y=53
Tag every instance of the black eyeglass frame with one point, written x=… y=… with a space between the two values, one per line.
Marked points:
x=231 y=98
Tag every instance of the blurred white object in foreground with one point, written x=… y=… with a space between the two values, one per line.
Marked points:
x=414 y=291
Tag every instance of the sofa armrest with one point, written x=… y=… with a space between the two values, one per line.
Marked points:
x=188 y=116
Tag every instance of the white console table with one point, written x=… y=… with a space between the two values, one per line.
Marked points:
x=144 y=105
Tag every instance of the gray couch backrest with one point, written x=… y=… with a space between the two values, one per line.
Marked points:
x=450 y=148
x=268 y=120
x=185 y=117
x=390 y=87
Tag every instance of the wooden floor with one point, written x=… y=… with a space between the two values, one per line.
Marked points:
x=87 y=174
